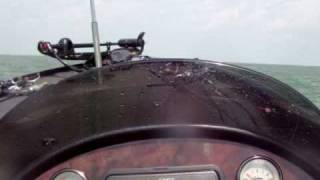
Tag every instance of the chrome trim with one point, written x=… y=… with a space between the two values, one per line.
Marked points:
x=262 y=157
x=80 y=173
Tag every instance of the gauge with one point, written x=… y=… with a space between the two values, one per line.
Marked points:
x=69 y=174
x=259 y=168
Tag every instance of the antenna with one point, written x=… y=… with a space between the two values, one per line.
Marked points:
x=95 y=36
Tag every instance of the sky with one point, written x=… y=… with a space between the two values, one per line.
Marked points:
x=252 y=31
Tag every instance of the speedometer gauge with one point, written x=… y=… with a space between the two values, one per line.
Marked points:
x=259 y=168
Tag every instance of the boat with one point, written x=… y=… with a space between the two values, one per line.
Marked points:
x=132 y=116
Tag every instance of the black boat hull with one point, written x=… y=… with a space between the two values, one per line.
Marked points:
x=160 y=98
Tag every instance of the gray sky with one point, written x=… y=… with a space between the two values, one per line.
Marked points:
x=259 y=31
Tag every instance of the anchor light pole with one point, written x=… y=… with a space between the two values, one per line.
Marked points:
x=95 y=36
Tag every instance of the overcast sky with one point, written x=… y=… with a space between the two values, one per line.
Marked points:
x=259 y=31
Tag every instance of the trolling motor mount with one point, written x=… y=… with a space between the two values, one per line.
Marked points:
x=65 y=49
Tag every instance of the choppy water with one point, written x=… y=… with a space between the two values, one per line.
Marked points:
x=304 y=79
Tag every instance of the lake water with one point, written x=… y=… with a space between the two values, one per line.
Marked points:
x=304 y=79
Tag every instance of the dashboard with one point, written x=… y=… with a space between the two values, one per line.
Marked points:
x=175 y=159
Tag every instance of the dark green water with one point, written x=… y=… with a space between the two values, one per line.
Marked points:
x=304 y=79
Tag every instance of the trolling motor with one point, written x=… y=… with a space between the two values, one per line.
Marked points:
x=65 y=50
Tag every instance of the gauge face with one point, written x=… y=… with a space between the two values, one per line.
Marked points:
x=69 y=175
x=259 y=168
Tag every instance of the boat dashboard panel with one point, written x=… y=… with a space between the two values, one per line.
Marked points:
x=176 y=159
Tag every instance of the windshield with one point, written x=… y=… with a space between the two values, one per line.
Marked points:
x=276 y=37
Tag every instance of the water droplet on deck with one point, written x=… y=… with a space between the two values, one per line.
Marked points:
x=49 y=141
x=156 y=104
x=268 y=110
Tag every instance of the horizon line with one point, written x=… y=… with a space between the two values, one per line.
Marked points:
x=227 y=62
